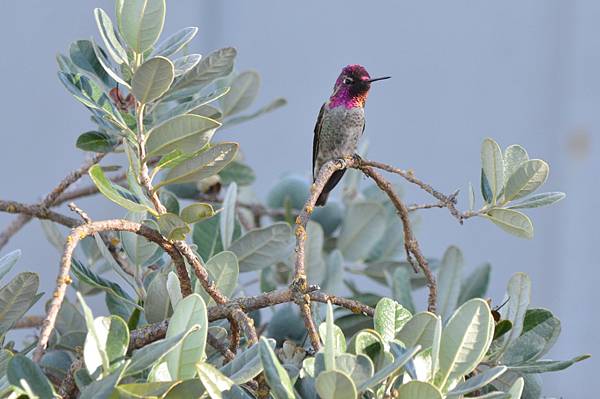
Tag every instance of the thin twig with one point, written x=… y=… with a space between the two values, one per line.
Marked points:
x=63 y=279
x=152 y=332
x=410 y=242
x=29 y=322
x=49 y=199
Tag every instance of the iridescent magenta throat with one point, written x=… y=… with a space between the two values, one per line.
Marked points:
x=342 y=97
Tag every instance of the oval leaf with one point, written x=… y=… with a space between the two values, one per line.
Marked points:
x=227 y=219
x=493 y=166
x=16 y=298
x=152 y=79
x=260 y=248
x=206 y=164
x=335 y=385
x=361 y=230
x=175 y=42
x=181 y=361
x=526 y=179
x=187 y=133
x=511 y=221
x=465 y=340
x=419 y=390
x=277 y=378
x=107 y=32
x=196 y=212
x=27 y=376
x=244 y=89
x=514 y=156
x=141 y=22
x=449 y=281
x=216 y=65
x=538 y=200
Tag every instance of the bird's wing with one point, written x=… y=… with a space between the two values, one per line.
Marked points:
x=316 y=139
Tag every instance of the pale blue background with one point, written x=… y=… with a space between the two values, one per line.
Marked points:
x=526 y=72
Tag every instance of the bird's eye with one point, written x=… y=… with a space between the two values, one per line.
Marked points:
x=348 y=81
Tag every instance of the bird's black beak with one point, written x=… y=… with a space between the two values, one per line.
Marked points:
x=376 y=79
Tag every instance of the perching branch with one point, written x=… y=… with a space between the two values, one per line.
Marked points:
x=299 y=284
x=49 y=199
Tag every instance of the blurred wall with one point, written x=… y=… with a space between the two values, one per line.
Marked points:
x=522 y=72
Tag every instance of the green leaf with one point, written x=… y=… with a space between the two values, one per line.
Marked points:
x=244 y=89
x=8 y=261
x=526 y=179
x=27 y=377
x=246 y=365
x=237 y=172
x=263 y=247
x=108 y=340
x=518 y=293
x=95 y=338
x=277 y=103
x=141 y=22
x=174 y=289
x=419 y=330
x=185 y=63
x=391 y=368
x=476 y=284
x=187 y=105
x=465 y=341
x=87 y=276
x=96 y=142
x=213 y=380
x=152 y=79
x=419 y=390
x=486 y=191
x=104 y=388
x=545 y=366
x=227 y=219
x=175 y=42
x=69 y=319
x=335 y=385
x=172 y=227
x=471 y=197
x=533 y=344
x=103 y=60
x=196 y=212
x=389 y=318
x=449 y=281
x=206 y=164
x=501 y=328
x=535 y=316
x=153 y=353
x=514 y=156
x=513 y=222
x=169 y=200
x=187 y=133
x=82 y=54
x=223 y=270
x=277 y=377
x=181 y=361
x=361 y=230
x=16 y=298
x=107 y=32
x=113 y=192
x=358 y=367
x=493 y=166
x=538 y=200
x=214 y=66
x=478 y=381
x=401 y=290
x=157 y=306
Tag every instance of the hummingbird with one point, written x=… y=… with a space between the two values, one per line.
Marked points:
x=341 y=122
